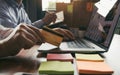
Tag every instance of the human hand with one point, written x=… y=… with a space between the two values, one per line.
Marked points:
x=23 y=36
x=68 y=35
x=49 y=17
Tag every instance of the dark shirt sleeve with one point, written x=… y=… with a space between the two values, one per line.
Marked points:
x=38 y=24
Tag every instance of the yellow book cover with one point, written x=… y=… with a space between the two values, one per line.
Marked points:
x=89 y=57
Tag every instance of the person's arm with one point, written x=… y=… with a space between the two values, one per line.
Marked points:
x=38 y=23
x=4 y=32
x=48 y=18
x=23 y=36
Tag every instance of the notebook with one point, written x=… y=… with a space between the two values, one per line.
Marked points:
x=96 y=68
x=56 y=68
x=97 y=37
x=89 y=57
x=59 y=57
x=59 y=19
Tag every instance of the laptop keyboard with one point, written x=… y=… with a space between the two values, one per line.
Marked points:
x=78 y=44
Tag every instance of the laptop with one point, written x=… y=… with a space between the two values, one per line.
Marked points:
x=97 y=37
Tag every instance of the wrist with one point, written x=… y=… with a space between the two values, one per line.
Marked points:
x=44 y=22
x=3 y=50
x=5 y=33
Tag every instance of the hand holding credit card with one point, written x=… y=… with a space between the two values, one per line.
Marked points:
x=51 y=36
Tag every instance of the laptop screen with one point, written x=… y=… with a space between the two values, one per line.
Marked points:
x=101 y=30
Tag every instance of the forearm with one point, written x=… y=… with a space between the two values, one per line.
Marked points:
x=38 y=24
x=3 y=50
x=4 y=32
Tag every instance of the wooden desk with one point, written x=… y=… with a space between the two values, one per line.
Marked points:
x=27 y=61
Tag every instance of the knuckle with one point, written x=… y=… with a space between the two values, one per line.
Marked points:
x=19 y=31
x=22 y=25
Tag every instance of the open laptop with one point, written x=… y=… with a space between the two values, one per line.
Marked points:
x=97 y=38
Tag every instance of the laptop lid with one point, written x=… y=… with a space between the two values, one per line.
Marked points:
x=101 y=29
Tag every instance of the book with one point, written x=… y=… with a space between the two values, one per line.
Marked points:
x=89 y=57
x=59 y=57
x=51 y=36
x=56 y=67
x=89 y=67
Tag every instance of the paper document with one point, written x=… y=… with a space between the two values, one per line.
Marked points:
x=60 y=17
x=104 y=6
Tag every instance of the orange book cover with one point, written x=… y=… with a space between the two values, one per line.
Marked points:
x=89 y=67
x=51 y=36
x=59 y=57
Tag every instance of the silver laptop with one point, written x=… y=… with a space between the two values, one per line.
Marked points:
x=97 y=38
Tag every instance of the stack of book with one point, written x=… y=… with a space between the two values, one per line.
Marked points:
x=57 y=64
x=62 y=64
x=92 y=64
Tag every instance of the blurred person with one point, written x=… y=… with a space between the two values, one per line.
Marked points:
x=12 y=13
x=17 y=31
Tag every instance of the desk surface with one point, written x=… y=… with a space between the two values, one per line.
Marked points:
x=29 y=61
